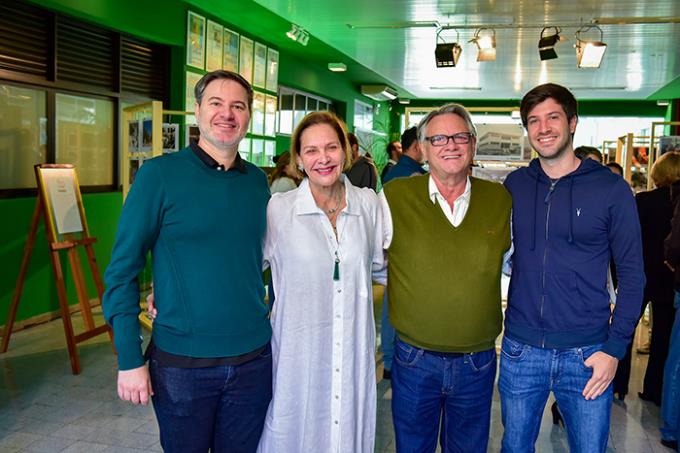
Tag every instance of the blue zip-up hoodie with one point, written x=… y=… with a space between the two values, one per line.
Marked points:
x=564 y=234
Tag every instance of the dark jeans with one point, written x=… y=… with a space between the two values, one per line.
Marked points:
x=219 y=408
x=429 y=389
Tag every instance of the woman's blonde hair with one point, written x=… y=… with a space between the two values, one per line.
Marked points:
x=666 y=169
x=312 y=119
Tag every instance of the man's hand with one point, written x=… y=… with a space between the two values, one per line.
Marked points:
x=604 y=369
x=150 y=307
x=135 y=385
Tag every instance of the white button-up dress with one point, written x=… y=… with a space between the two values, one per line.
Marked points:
x=323 y=340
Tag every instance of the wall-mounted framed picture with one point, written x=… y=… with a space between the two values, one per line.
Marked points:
x=260 y=68
x=213 y=51
x=231 y=46
x=146 y=143
x=192 y=79
x=195 y=40
x=257 y=120
x=272 y=70
x=245 y=66
x=170 y=137
x=499 y=142
x=270 y=115
x=192 y=133
x=133 y=136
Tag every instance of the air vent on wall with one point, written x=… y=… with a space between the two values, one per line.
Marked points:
x=379 y=92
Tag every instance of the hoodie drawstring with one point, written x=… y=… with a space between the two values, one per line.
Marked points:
x=571 y=210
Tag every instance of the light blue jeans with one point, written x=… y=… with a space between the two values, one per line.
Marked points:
x=670 y=398
x=386 y=335
x=527 y=376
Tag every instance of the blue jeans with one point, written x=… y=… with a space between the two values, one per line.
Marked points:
x=386 y=336
x=527 y=376
x=670 y=398
x=427 y=386
x=220 y=408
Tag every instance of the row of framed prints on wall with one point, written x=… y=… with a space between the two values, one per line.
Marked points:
x=140 y=136
x=212 y=46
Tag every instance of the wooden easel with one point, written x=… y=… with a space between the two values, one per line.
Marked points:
x=61 y=237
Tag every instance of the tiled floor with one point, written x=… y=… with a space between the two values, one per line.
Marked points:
x=43 y=408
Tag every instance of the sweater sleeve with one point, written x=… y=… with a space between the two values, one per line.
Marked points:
x=138 y=229
x=626 y=248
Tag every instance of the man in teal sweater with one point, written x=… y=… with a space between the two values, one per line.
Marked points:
x=201 y=213
x=444 y=290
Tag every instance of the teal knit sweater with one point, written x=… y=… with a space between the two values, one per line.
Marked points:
x=205 y=230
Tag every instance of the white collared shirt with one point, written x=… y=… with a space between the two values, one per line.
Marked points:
x=460 y=204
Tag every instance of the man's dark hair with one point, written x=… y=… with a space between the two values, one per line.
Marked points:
x=614 y=165
x=560 y=94
x=352 y=139
x=199 y=89
x=582 y=151
x=409 y=136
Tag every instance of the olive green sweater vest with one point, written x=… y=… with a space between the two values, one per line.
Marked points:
x=444 y=281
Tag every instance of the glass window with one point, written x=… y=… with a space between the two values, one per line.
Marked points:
x=286 y=114
x=300 y=105
x=84 y=137
x=363 y=115
x=312 y=105
x=23 y=135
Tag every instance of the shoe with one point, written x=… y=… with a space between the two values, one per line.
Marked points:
x=672 y=444
x=556 y=415
x=387 y=374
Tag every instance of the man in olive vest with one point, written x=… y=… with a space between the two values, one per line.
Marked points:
x=444 y=291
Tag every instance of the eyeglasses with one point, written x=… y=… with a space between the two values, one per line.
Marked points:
x=461 y=138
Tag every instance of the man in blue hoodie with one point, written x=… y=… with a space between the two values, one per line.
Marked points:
x=569 y=217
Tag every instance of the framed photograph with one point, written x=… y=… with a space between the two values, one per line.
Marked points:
x=191 y=81
x=61 y=194
x=499 y=142
x=213 y=50
x=147 y=135
x=170 y=137
x=272 y=70
x=270 y=115
x=245 y=66
x=495 y=174
x=260 y=65
x=133 y=136
x=135 y=164
x=196 y=40
x=192 y=134
x=231 y=45
x=258 y=113
x=669 y=143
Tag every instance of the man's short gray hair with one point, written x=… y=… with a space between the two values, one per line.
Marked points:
x=452 y=108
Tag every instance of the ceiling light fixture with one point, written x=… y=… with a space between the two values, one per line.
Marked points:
x=546 y=45
x=589 y=54
x=447 y=54
x=298 y=34
x=337 y=67
x=486 y=44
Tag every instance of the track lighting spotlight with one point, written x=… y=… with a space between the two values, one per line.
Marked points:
x=589 y=54
x=298 y=34
x=486 y=44
x=447 y=54
x=546 y=45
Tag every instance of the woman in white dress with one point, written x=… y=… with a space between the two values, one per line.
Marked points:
x=324 y=240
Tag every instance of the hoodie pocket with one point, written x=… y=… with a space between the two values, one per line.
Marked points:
x=565 y=307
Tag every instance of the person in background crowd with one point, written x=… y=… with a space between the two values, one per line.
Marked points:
x=201 y=212
x=324 y=241
x=655 y=211
x=362 y=173
x=569 y=217
x=410 y=164
x=393 y=154
x=444 y=290
x=281 y=178
x=615 y=168
x=588 y=152
x=670 y=397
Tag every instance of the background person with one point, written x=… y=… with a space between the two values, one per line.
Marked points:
x=394 y=151
x=362 y=171
x=282 y=177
